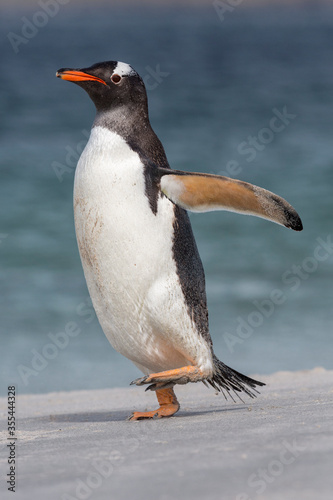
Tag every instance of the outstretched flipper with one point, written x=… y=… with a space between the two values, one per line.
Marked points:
x=204 y=193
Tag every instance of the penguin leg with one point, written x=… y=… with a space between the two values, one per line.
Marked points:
x=171 y=377
x=168 y=406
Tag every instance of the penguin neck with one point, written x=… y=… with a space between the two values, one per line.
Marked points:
x=133 y=125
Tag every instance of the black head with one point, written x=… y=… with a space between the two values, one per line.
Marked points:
x=109 y=84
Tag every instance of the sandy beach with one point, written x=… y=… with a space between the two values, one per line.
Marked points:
x=80 y=445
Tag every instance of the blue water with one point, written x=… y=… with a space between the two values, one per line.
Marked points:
x=221 y=83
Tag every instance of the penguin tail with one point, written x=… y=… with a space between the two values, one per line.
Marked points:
x=230 y=382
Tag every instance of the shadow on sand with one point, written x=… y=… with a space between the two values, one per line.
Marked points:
x=122 y=415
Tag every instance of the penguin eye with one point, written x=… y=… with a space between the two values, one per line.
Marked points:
x=116 y=79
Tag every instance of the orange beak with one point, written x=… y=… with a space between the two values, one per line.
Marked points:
x=74 y=75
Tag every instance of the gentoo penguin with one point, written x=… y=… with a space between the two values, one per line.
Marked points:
x=138 y=252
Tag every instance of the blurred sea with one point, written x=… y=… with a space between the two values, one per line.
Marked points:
x=213 y=85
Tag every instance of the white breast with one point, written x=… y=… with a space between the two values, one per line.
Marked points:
x=126 y=253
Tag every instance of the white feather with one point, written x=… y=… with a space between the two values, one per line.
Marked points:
x=123 y=69
x=126 y=253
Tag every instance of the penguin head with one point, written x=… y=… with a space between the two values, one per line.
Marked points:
x=109 y=84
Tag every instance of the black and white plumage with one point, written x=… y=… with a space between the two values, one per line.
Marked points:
x=138 y=252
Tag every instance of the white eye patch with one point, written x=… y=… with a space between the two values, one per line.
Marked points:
x=123 y=69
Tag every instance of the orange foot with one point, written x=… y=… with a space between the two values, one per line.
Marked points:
x=169 y=378
x=168 y=406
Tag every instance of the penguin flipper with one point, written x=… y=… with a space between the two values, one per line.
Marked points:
x=198 y=192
